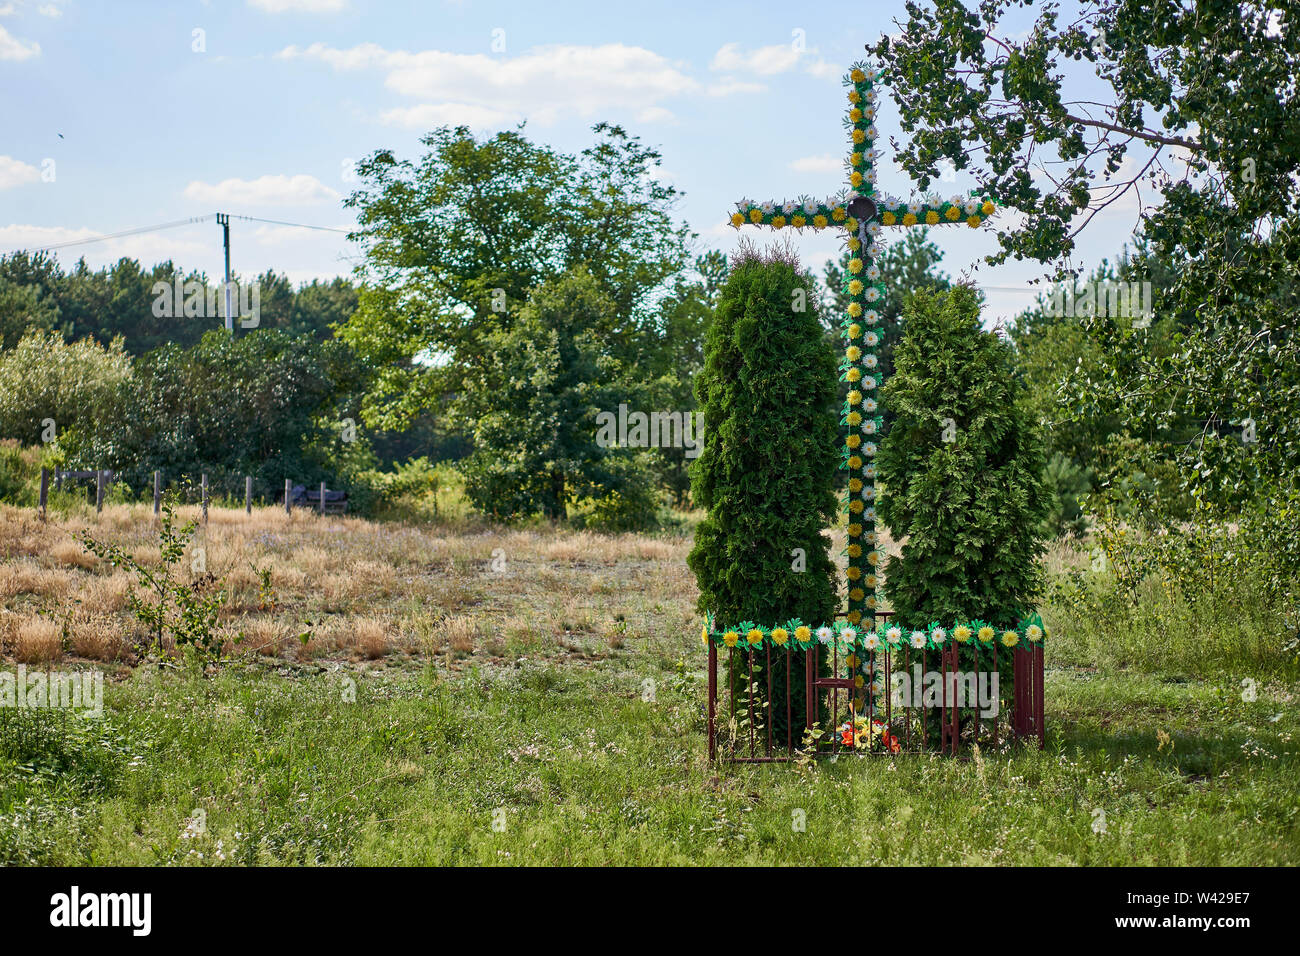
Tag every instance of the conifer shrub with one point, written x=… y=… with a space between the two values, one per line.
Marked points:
x=766 y=473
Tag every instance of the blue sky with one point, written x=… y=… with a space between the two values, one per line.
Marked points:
x=260 y=113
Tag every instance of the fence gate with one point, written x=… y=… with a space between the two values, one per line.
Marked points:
x=767 y=705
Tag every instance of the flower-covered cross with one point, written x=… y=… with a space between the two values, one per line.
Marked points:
x=862 y=213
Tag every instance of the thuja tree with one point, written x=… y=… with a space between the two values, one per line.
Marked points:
x=962 y=469
x=766 y=472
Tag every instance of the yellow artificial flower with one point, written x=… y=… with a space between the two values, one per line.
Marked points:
x=819 y=221
x=798 y=222
x=855 y=309
x=985 y=634
x=854 y=242
x=855 y=550
x=853 y=375
x=932 y=218
x=961 y=633
x=851 y=225
x=801 y=633
x=855 y=462
x=973 y=221
x=704 y=635
x=988 y=208
x=737 y=219
x=857 y=680
x=851 y=661
x=859 y=137
x=909 y=219
x=853 y=353
x=855 y=485
x=779 y=636
x=756 y=215
x=855 y=265
x=887 y=218
x=778 y=222
x=855 y=530
x=953 y=213
x=856 y=505
x=854 y=397
x=854 y=419
x=1010 y=638
x=857 y=76
x=853 y=331
x=855 y=179
x=853 y=441
x=855 y=159
x=1034 y=632
x=838 y=213
x=854 y=617
x=855 y=96
x=856 y=287
x=855 y=114
x=730 y=638
x=754 y=636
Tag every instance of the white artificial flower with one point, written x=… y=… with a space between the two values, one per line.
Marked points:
x=743 y=205
x=971 y=207
x=810 y=206
x=869 y=449
x=871 y=317
x=789 y=206
x=874 y=250
x=870 y=360
x=870 y=642
x=893 y=635
x=870 y=176
x=938 y=635
x=872 y=293
x=869 y=426
x=873 y=229
x=873 y=272
x=870 y=472
x=824 y=634
x=869 y=112
x=870 y=515
x=871 y=339
x=918 y=639
x=872 y=132
x=956 y=200
x=768 y=208
x=915 y=208
x=848 y=635
x=869 y=405
x=868 y=382
x=868 y=492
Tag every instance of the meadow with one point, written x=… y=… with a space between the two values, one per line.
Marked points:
x=454 y=692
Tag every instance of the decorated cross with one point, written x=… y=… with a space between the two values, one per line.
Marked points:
x=862 y=213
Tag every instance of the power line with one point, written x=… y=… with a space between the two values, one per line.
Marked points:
x=299 y=225
x=126 y=232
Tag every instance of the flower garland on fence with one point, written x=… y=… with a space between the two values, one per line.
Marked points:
x=848 y=638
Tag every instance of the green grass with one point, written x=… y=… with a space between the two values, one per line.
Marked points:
x=546 y=762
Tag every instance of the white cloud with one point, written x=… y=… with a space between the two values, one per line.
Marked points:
x=656 y=114
x=14 y=172
x=7 y=10
x=147 y=248
x=298 y=6
x=825 y=163
x=49 y=10
x=765 y=60
x=12 y=48
x=429 y=115
x=301 y=190
x=543 y=83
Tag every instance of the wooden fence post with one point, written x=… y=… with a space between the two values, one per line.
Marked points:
x=157 y=492
x=322 y=499
x=203 y=489
x=248 y=494
x=99 y=491
x=45 y=489
x=288 y=500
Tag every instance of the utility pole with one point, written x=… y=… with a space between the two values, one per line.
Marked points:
x=223 y=220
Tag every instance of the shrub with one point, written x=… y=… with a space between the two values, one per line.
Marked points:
x=962 y=467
